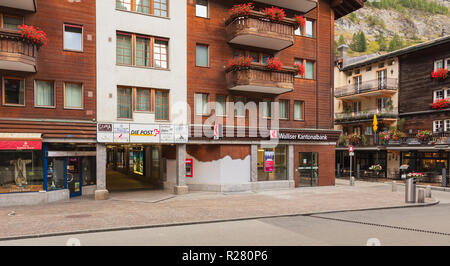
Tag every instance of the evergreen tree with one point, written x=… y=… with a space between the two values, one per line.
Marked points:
x=341 y=40
x=395 y=43
x=382 y=42
x=359 y=42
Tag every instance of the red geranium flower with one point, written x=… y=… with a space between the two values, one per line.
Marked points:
x=241 y=10
x=274 y=13
x=275 y=64
x=34 y=34
x=441 y=73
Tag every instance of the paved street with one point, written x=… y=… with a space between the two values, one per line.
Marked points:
x=409 y=226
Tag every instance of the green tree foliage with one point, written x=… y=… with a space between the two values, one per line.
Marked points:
x=424 y=5
x=382 y=42
x=376 y=21
x=359 y=42
x=395 y=43
x=341 y=40
x=352 y=16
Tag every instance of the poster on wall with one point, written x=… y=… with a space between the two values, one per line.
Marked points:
x=181 y=133
x=144 y=133
x=269 y=161
x=121 y=133
x=138 y=162
x=166 y=133
x=105 y=133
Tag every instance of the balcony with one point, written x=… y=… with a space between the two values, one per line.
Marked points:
x=257 y=78
x=351 y=117
x=256 y=30
x=298 y=5
x=27 y=5
x=17 y=53
x=370 y=88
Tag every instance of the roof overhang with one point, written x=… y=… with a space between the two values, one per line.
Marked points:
x=344 y=7
x=28 y=5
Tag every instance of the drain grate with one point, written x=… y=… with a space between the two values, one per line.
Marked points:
x=78 y=216
x=383 y=225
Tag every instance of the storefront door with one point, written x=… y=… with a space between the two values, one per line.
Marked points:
x=308 y=169
x=74 y=179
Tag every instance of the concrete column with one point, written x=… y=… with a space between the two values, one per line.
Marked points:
x=290 y=165
x=181 y=187
x=254 y=163
x=101 y=193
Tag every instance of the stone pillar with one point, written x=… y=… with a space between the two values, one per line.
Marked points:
x=254 y=163
x=290 y=165
x=101 y=193
x=181 y=187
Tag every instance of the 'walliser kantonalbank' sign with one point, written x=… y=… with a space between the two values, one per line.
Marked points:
x=298 y=136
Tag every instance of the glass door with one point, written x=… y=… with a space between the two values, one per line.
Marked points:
x=308 y=169
x=74 y=176
x=382 y=79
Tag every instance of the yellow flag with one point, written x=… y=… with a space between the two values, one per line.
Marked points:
x=375 y=123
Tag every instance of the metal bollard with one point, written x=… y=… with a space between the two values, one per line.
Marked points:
x=394 y=186
x=338 y=170
x=421 y=196
x=428 y=192
x=444 y=177
x=352 y=181
x=358 y=170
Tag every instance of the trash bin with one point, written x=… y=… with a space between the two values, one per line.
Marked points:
x=410 y=190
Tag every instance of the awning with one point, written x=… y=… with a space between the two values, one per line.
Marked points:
x=20 y=141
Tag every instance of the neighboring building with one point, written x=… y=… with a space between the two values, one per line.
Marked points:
x=422 y=141
x=365 y=86
x=241 y=104
x=48 y=101
x=141 y=80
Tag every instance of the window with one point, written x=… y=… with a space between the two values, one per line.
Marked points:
x=254 y=56
x=12 y=22
x=299 y=113
x=369 y=131
x=201 y=8
x=438 y=64
x=381 y=104
x=356 y=107
x=239 y=106
x=143 y=100
x=143 y=52
x=283 y=106
x=123 y=49
x=73 y=38
x=382 y=79
x=438 y=95
x=44 y=94
x=161 y=105
x=201 y=55
x=160 y=54
x=266 y=109
x=309 y=70
x=298 y=61
x=73 y=95
x=221 y=105
x=124 y=103
x=153 y=7
x=13 y=91
x=437 y=126
x=142 y=55
x=309 y=28
x=447 y=63
x=357 y=82
x=201 y=104
x=447 y=125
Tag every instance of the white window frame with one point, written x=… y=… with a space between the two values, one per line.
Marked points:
x=436 y=125
x=198 y=14
x=436 y=62
x=64 y=37
x=447 y=125
x=199 y=104
x=447 y=63
x=435 y=97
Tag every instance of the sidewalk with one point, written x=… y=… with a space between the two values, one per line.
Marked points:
x=152 y=208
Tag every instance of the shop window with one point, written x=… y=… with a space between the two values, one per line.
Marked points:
x=45 y=94
x=73 y=38
x=308 y=169
x=13 y=91
x=272 y=163
x=73 y=95
x=21 y=171
x=201 y=8
x=89 y=171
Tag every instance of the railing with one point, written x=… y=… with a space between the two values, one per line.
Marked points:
x=16 y=49
x=257 y=24
x=259 y=76
x=366 y=86
x=365 y=115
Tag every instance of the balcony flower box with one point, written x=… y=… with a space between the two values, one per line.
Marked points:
x=440 y=74
x=441 y=104
x=242 y=62
x=274 y=64
x=241 y=10
x=424 y=134
x=299 y=69
x=300 y=20
x=33 y=34
x=274 y=13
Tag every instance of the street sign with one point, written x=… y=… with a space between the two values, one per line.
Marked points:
x=350 y=148
x=352 y=154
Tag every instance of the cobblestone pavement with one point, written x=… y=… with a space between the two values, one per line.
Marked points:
x=146 y=208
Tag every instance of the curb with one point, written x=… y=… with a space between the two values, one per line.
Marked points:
x=442 y=189
x=126 y=228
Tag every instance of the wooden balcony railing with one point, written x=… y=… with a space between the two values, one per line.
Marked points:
x=389 y=84
x=17 y=53
x=256 y=30
x=257 y=78
x=366 y=115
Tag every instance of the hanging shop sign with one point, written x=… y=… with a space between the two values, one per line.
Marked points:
x=142 y=133
x=269 y=161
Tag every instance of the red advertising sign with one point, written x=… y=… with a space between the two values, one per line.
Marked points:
x=21 y=145
x=269 y=161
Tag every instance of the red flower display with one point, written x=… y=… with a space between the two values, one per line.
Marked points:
x=241 y=61
x=34 y=34
x=441 y=104
x=241 y=10
x=300 y=20
x=275 y=64
x=299 y=69
x=274 y=13
x=441 y=73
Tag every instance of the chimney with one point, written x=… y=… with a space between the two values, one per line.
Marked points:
x=343 y=48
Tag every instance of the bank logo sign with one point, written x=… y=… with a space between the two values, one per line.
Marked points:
x=141 y=133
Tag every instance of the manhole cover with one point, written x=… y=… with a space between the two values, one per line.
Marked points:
x=78 y=216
